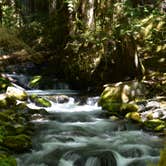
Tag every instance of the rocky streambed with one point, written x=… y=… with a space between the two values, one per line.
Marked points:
x=123 y=127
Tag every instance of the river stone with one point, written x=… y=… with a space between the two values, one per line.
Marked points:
x=19 y=143
x=59 y=99
x=152 y=105
x=16 y=93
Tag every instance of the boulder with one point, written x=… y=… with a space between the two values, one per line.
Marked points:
x=18 y=94
x=155 y=124
x=121 y=98
x=59 y=99
x=40 y=101
x=135 y=116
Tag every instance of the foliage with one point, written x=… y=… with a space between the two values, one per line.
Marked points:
x=7 y=160
x=2 y=133
x=9 y=42
x=4 y=83
x=62 y=36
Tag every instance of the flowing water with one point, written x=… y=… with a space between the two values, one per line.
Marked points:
x=75 y=134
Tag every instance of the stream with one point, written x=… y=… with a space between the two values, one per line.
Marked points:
x=78 y=134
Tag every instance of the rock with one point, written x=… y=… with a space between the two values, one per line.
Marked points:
x=152 y=105
x=135 y=116
x=149 y=115
x=113 y=118
x=158 y=113
x=40 y=101
x=19 y=143
x=59 y=99
x=16 y=93
x=120 y=98
x=155 y=124
x=123 y=92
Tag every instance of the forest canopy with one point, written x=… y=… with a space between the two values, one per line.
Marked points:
x=104 y=41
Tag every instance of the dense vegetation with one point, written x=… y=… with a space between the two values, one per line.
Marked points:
x=94 y=41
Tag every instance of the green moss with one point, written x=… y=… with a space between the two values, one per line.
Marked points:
x=135 y=116
x=35 y=81
x=127 y=107
x=40 y=101
x=5 y=117
x=7 y=160
x=19 y=143
x=155 y=124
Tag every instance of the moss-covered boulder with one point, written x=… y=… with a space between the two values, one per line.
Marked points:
x=120 y=109
x=155 y=124
x=40 y=101
x=6 y=160
x=135 y=116
x=123 y=92
x=19 y=143
x=120 y=98
x=16 y=93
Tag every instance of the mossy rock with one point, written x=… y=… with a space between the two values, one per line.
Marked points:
x=6 y=160
x=120 y=98
x=113 y=108
x=155 y=124
x=40 y=101
x=128 y=107
x=19 y=143
x=123 y=92
x=120 y=109
x=135 y=116
x=110 y=95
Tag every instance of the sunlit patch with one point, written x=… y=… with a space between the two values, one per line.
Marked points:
x=161 y=60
